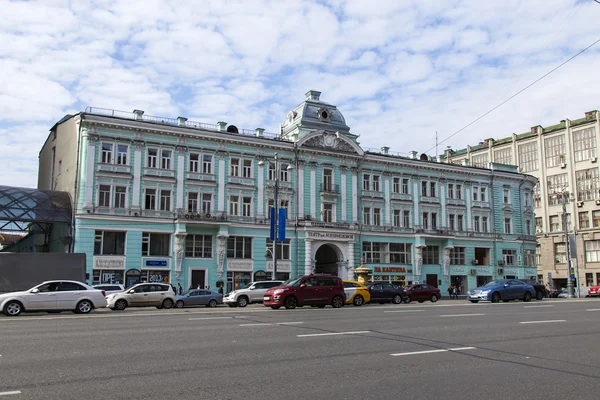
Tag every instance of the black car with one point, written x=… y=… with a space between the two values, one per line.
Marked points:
x=540 y=289
x=385 y=292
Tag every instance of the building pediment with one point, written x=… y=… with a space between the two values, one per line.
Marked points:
x=332 y=141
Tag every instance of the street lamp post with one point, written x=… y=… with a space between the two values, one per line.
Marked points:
x=564 y=197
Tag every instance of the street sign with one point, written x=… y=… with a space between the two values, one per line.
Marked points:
x=282 y=220
x=572 y=277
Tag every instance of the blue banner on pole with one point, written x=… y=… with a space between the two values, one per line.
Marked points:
x=282 y=219
x=273 y=222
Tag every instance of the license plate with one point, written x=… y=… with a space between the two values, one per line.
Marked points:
x=266 y=298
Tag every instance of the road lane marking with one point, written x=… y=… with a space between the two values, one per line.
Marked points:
x=333 y=333
x=460 y=315
x=10 y=393
x=412 y=353
x=272 y=323
x=593 y=309
x=543 y=322
x=404 y=311
x=205 y=318
x=538 y=306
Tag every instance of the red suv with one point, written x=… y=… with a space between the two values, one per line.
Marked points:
x=309 y=290
x=422 y=292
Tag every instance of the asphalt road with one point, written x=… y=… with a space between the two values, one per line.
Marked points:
x=447 y=350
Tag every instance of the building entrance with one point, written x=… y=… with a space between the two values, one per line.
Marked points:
x=326 y=260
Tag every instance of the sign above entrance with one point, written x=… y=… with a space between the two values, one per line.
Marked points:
x=401 y=270
x=330 y=235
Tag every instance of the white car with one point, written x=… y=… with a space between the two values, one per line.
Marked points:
x=160 y=295
x=252 y=293
x=110 y=288
x=53 y=296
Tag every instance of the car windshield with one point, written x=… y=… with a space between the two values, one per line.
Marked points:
x=493 y=283
x=247 y=285
x=292 y=282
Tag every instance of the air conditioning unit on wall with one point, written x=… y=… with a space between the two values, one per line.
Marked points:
x=501 y=262
x=475 y=262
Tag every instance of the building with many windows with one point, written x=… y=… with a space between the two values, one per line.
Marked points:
x=171 y=200
x=564 y=159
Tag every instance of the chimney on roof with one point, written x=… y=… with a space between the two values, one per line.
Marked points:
x=385 y=150
x=181 y=121
x=590 y=115
x=313 y=95
x=412 y=154
x=138 y=114
x=260 y=132
x=222 y=125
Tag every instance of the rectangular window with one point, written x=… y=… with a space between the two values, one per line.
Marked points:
x=198 y=246
x=150 y=203
x=192 y=202
x=560 y=253
x=405 y=186
x=509 y=256
x=460 y=226
x=239 y=247
x=459 y=191
x=434 y=217
x=104 y=196
x=165 y=200
x=234 y=168
x=397 y=218
x=584 y=220
x=152 y=159
x=451 y=190
x=538 y=254
x=528 y=157
x=367 y=216
x=457 y=256
x=451 y=222
x=400 y=253
x=587 y=184
x=539 y=224
x=372 y=252
x=327 y=212
x=596 y=219
x=194 y=162
x=503 y=156
x=122 y=150
x=432 y=189
x=555 y=150
x=555 y=184
x=589 y=279
x=528 y=227
x=406 y=219
x=480 y=160
x=483 y=193
x=424 y=189
x=247 y=206
x=377 y=216
x=431 y=255
x=247 y=171
x=475 y=193
x=375 y=184
x=506 y=196
x=484 y=224
x=396 y=185
x=206 y=202
x=327 y=179
x=554 y=223
x=107 y=150
x=366 y=182
x=207 y=160
x=425 y=217
x=592 y=251
x=283 y=249
x=109 y=243
x=156 y=244
x=507 y=225
x=477 y=223
x=234 y=205
x=584 y=144
x=284 y=175
x=529 y=258
x=120 y=196
x=165 y=159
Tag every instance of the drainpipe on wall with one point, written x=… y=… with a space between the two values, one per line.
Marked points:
x=75 y=184
x=494 y=260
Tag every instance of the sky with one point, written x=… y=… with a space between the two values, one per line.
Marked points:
x=398 y=70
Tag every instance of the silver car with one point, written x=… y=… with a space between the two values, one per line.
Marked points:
x=199 y=298
x=253 y=293
x=53 y=296
x=159 y=295
x=110 y=288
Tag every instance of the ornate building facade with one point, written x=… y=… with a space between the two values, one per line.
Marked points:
x=171 y=200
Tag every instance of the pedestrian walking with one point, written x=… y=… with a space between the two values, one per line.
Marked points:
x=450 y=291
x=198 y=287
x=179 y=289
x=191 y=287
x=207 y=287
x=454 y=293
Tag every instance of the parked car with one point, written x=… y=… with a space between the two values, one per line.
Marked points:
x=317 y=290
x=253 y=293
x=356 y=293
x=540 y=289
x=385 y=292
x=53 y=296
x=109 y=288
x=199 y=298
x=159 y=295
x=594 y=291
x=421 y=292
x=502 y=289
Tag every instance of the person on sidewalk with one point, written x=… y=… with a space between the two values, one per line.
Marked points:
x=450 y=291
x=179 y=289
x=454 y=293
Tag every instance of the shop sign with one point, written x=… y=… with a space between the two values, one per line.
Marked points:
x=511 y=271
x=158 y=276
x=458 y=270
x=282 y=266
x=156 y=263
x=530 y=271
x=330 y=235
x=240 y=265
x=111 y=277
x=483 y=271
x=109 y=262
x=401 y=270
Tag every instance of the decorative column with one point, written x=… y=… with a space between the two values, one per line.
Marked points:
x=308 y=261
x=221 y=191
x=386 y=197
x=355 y=217
x=313 y=190
x=416 y=195
x=89 y=171
x=137 y=176
x=261 y=191
x=418 y=263
x=443 y=218
x=469 y=201
x=180 y=236
x=221 y=249
x=300 y=175
x=446 y=264
x=344 y=204
x=180 y=177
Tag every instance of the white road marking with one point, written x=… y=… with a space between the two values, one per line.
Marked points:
x=272 y=323
x=460 y=315
x=543 y=322
x=593 y=309
x=333 y=333
x=405 y=311
x=204 y=318
x=9 y=393
x=432 y=351
x=538 y=306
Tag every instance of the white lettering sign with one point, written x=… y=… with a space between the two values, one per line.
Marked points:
x=458 y=269
x=330 y=235
x=109 y=262
x=239 y=265
x=282 y=266
x=511 y=271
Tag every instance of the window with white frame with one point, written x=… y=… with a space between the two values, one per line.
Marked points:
x=506 y=196
x=198 y=246
x=431 y=255
x=400 y=253
x=554 y=223
x=587 y=184
x=507 y=225
x=509 y=256
x=234 y=205
x=397 y=218
x=451 y=190
x=555 y=150
x=376 y=187
x=554 y=187
x=430 y=220
x=406 y=219
x=165 y=200
x=282 y=250
x=239 y=247
x=484 y=224
x=373 y=252
x=596 y=219
x=366 y=215
x=194 y=164
x=247 y=169
x=327 y=179
x=284 y=173
x=109 y=243
x=584 y=144
x=480 y=160
x=528 y=228
x=451 y=222
x=165 y=159
x=377 y=216
x=246 y=206
x=207 y=164
x=528 y=156
x=405 y=186
x=428 y=189
x=527 y=199
x=455 y=191
x=592 y=250
x=560 y=253
x=327 y=212
x=192 y=205
x=120 y=197
x=156 y=244
x=477 y=223
x=458 y=256
x=538 y=254
x=529 y=258
x=503 y=156
x=107 y=153
x=122 y=151
x=537 y=196
x=104 y=196
x=235 y=167
x=152 y=158
x=396 y=185
x=206 y=202
x=539 y=224
x=283 y=203
x=150 y=199
x=584 y=219
x=460 y=223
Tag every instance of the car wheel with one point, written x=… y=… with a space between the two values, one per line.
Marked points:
x=291 y=303
x=407 y=299
x=212 y=303
x=540 y=296
x=527 y=297
x=474 y=301
x=358 y=301
x=84 y=307
x=496 y=297
x=275 y=307
x=120 y=305
x=167 y=303
x=397 y=299
x=179 y=304
x=434 y=298
x=13 y=308
x=337 y=302
x=242 y=301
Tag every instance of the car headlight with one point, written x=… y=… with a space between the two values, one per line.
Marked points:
x=279 y=291
x=484 y=292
